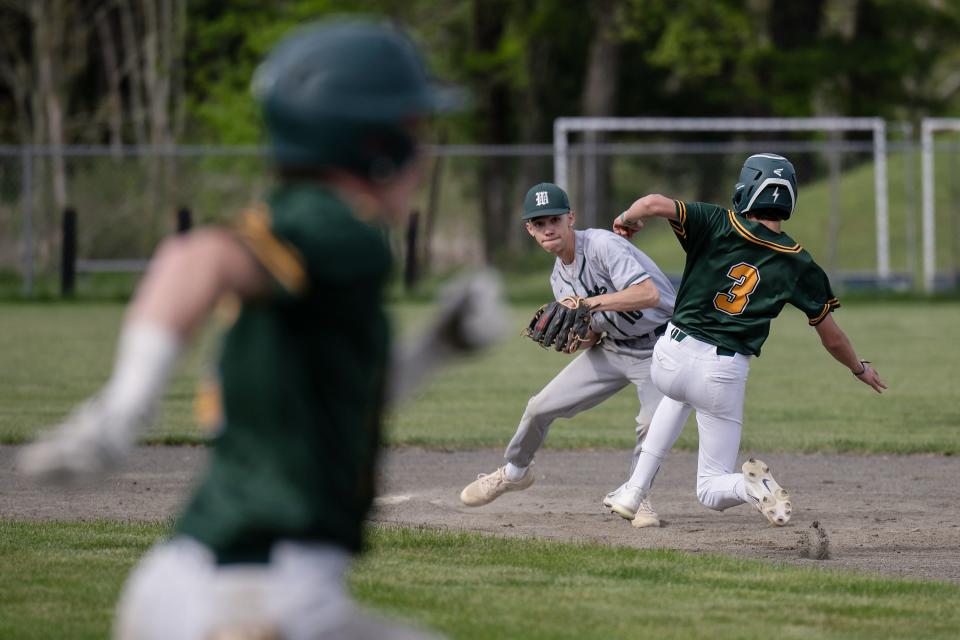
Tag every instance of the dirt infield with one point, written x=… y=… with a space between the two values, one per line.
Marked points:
x=897 y=515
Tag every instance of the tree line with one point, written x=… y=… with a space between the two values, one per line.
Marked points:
x=160 y=72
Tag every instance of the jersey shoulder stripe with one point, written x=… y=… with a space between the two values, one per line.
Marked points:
x=680 y=227
x=635 y=278
x=280 y=258
x=830 y=305
x=743 y=231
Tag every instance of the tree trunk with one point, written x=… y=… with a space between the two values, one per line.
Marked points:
x=133 y=68
x=178 y=47
x=47 y=25
x=599 y=99
x=16 y=70
x=534 y=169
x=114 y=100
x=493 y=114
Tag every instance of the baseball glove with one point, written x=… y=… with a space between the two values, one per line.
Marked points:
x=563 y=324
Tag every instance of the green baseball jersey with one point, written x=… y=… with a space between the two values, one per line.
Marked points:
x=302 y=376
x=738 y=276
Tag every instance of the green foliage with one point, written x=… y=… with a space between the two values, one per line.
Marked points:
x=703 y=40
x=226 y=41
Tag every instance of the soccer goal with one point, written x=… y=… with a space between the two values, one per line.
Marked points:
x=563 y=128
x=929 y=127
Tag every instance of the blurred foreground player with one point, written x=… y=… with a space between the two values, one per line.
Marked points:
x=263 y=545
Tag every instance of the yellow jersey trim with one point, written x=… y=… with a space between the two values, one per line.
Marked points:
x=279 y=258
x=743 y=231
x=831 y=304
x=680 y=227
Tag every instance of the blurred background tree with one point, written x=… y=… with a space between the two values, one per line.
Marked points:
x=177 y=71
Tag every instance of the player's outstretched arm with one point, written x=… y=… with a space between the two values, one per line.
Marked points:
x=649 y=206
x=472 y=316
x=835 y=341
x=185 y=279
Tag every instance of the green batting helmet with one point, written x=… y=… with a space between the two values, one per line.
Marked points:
x=767 y=182
x=342 y=94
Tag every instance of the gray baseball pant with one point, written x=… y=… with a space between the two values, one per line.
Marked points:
x=591 y=378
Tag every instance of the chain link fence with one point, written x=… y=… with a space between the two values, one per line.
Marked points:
x=126 y=201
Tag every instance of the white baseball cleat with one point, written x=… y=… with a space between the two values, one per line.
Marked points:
x=608 y=499
x=772 y=500
x=633 y=504
x=488 y=487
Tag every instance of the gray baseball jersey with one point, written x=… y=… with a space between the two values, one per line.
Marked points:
x=605 y=263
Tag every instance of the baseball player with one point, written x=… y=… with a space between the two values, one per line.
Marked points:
x=262 y=546
x=630 y=300
x=741 y=270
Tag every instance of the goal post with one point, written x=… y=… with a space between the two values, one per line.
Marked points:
x=928 y=127
x=563 y=127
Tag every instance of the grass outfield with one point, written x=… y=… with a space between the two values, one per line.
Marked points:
x=798 y=399
x=62 y=580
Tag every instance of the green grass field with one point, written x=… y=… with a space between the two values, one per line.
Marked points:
x=62 y=580
x=798 y=398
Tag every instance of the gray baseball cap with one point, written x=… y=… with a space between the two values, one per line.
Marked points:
x=545 y=199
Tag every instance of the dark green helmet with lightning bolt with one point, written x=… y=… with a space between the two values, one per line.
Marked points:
x=767 y=183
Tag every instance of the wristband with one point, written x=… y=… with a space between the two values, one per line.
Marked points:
x=863 y=364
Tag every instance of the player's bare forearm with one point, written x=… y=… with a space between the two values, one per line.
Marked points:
x=635 y=297
x=189 y=274
x=837 y=344
x=835 y=341
x=649 y=206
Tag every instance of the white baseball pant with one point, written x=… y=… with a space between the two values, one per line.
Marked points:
x=692 y=376
x=178 y=591
x=591 y=378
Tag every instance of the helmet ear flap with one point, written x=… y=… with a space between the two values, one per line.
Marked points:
x=738 y=195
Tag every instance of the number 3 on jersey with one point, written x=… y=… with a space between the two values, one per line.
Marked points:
x=746 y=277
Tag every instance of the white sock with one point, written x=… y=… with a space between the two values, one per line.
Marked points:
x=647 y=466
x=515 y=473
x=146 y=355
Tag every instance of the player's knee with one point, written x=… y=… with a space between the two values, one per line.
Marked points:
x=535 y=406
x=547 y=407
x=708 y=497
